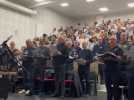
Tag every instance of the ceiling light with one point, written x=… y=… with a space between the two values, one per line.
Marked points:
x=45 y=3
x=38 y=0
x=42 y=4
x=90 y=0
x=64 y=4
x=131 y=5
x=103 y=9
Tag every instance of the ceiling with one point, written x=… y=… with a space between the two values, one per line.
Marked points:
x=80 y=8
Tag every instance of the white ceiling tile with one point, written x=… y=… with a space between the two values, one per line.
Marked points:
x=80 y=8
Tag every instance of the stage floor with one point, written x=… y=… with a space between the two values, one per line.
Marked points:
x=18 y=97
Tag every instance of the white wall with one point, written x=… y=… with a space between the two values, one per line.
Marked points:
x=48 y=19
x=15 y=23
x=26 y=26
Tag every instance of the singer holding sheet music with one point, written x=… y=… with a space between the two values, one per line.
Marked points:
x=130 y=55
x=112 y=69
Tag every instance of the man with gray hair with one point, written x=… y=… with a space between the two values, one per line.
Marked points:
x=84 y=68
x=112 y=70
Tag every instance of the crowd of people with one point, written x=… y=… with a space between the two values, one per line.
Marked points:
x=72 y=49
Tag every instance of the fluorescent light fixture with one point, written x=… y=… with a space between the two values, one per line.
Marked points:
x=64 y=4
x=42 y=4
x=90 y=0
x=131 y=5
x=38 y=0
x=45 y=3
x=103 y=9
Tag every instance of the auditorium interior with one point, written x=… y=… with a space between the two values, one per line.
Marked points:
x=67 y=49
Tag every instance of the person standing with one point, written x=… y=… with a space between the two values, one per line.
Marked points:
x=112 y=70
x=100 y=48
x=74 y=55
x=130 y=56
x=15 y=53
x=28 y=68
x=84 y=68
x=41 y=56
x=59 y=59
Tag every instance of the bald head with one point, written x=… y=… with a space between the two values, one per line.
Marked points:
x=12 y=44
